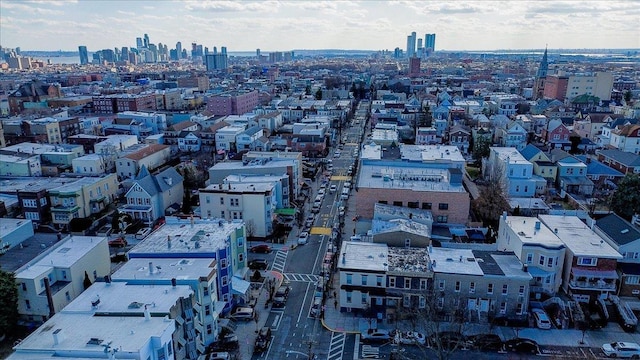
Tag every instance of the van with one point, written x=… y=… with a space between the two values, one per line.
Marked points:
x=345 y=190
x=243 y=313
x=316 y=307
x=542 y=320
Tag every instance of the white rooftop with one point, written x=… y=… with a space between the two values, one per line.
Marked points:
x=431 y=153
x=123 y=298
x=78 y=184
x=129 y=334
x=66 y=253
x=447 y=261
x=203 y=236
x=401 y=176
x=8 y=225
x=248 y=187
x=512 y=155
x=363 y=256
x=11 y=185
x=525 y=229
x=371 y=151
x=578 y=237
x=179 y=269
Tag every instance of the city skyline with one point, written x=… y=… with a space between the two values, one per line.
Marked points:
x=284 y=25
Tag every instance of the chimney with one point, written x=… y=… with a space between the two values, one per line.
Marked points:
x=57 y=337
x=168 y=241
x=433 y=264
x=150 y=268
x=147 y=314
x=192 y=220
x=173 y=282
x=430 y=247
x=555 y=231
x=593 y=224
x=525 y=267
x=504 y=215
x=538 y=225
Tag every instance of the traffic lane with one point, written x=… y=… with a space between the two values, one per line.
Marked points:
x=301 y=259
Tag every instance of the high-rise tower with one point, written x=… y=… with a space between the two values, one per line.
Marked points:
x=179 y=49
x=84 y=55
x=411 y=44
x=430 y=43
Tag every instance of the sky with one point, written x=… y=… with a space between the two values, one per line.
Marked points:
x=305 y=24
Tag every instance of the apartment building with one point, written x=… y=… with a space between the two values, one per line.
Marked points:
x=363 y=267
x=508 y=166
x=50 y=281
x=150 y=196
x=151 y=157
x=538 y=248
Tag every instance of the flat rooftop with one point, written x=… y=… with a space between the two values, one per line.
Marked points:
x=363 y=256
x=8 y=225
x=12 y=184
x=455 y=261
x=578 y=237
x=78 y=184
x=525 y=229
x=85 y=333
x=401 y=176
x=241 y=187
x=510 y=154
x=409 y=260
x=274 y=162
x=199 y=239
x=66 y=253
x=33 y=148
x=122 y=298
x=431 y=153
x=180 y=269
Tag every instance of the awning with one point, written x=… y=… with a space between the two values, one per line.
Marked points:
x=239 y=286
x=286 y=211
x=537 y=272
x=603 y=274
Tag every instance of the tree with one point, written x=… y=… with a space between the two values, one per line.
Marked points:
x=481 y=150
x=8 y=302
x=186 y=202
x=492 y=201
x=250 y=226
x=115 y=222
x=319 y=94
x=575 y=140
x=626 y=199
x=307 y=90
x=87 y=281
x=627 y=96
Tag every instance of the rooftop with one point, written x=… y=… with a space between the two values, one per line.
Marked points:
x=525 y=229
x=454 y=261
x=431 y=153
x=363 y=256
x=402 y=176
x=191 y=238
x=165 y=269
x=78 y=184
x=578 y=237
x=123 y=298
x=512 y=155
x=64 y=255
x=409 y=260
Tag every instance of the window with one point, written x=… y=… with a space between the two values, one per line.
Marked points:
x=29 y=203
x=208 y=199
x=503 y=308
x=519 y=308
x=457 y=288
x=407 y=283
x=443 y=206
x=422 y=302
x=221 y=201
x=442 y=219
x=412 y=204
x=223 y=263
x=222 y=214
x=205 y=291
x=423 y=284
x=440 y=302
x=472 y=287
x=95 y=275
x=378 y=280
x=349 y=293
x=587 y=261
x=397 y=203
x=349 y=279
x=28 y=304
x=529 y=258
x=505 y=289
x=426 y=206
x=392 y=281
x=541 y=261
x=489 y=288
x=521 y=290
x=441 y=284
x=364 y=298
x=241 y=257
x=24 y=287
x=364 y=279
x=524 y=172
x=406 y=300
x=630 y=280
x=209 y=329
x=550 y=262
x=207 y=310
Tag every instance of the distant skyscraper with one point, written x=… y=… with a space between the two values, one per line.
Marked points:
x=84 y=55
x=411 y=44
x=179 y=49
x=146 y=40
x=124 y=56
x=216 y=61
x=430 y=43
x=258 y=53
x=138 y=43
x=397 y=53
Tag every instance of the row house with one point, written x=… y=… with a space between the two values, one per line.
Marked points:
x=625 y=162
x=249 y=139
x=625 y=239
x=208 y=135
x=572 y=174
x=591 y=125
x=226 y=138
x=542 y=164
x=233 y=103
x=590 y=262
x=427 y=136
x=270 y=121
x=511 y=135
x=556 y=135
x=189 y=141
x=604 y=139
x=600 y=174
x=150 y=196
x=626 y=138
x=460 y=137
x=82 y=198
x=115 y=103
x=508 y=166
x=174 y=132
x=255 y=203
x=151 y=157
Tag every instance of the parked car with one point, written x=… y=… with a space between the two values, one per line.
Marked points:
x=341 y=211
x=622 y=350
x=280 y=297
x=105 y=230
x=142 y=233
x=309 y=221
x=375 y=336
x=522 y=345
x=486 y=342
x=119 y=242
x=263 y=340
x=228 y=342
x=449 y=340
x=261 y=249
x=541 y=318
x=409 y=338
x=316 y=307
x=258 y=264
x=243 y=313
x=218 y=356
x=304 y=238
x=321 y=192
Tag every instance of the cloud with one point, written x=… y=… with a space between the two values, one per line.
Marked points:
x=231 y=6
x=22 y=8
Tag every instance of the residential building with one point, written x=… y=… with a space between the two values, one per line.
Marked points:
x=50 y=281
x=556 y=135
x=555 y=87
x=600 y=174
x=538 y=248
x=249 y=139
x=271 y=121
x=625 y=162
x=511 y=135
x=179 y=130
x=82 y=198
x=91 y=164
x=598 y=84
x=255 y=203
x=14 y=232
x=626 y=138
x=604 y=139
x=150 y=196
x=20 y=165
x=233 y=103
x=189 y=141
x=151 y=157
x=363 y=281
x=401 y=226
x=542 y=164
x=32 y=92
x=427 y=136
x=460 y=137
x=115 y=103
x=572 y=174
x=508 y=166
x=590 y=262
x=226 y=138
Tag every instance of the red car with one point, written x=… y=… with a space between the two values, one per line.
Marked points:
x=261 y=249
x=119 y=242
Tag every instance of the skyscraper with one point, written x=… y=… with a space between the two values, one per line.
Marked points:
x=146 y=40
x=178 y=49
x=138 y=43
x=84 y=55
x=258 y=53
x=411 y=44
x=430 y=43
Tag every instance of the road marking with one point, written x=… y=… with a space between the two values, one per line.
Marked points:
x=276 y=322
x=336 y=348
x=320 y=230
x=303 y=307
x=280 y=260
x=302 y=277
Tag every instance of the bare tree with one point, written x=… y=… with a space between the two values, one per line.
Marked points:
x=493 y=197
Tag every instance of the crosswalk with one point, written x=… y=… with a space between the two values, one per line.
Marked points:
x=280 y=261
x=336 y=348
x=301 y=277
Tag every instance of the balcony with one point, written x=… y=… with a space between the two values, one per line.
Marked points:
x=592 y=285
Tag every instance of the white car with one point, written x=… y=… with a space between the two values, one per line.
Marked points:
x=542 y=320
x=336 y=154
x=304 y=238
x=142 y=233
x=409 y=338
x=622 y=350
x=333 y=188
x=321 y=192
